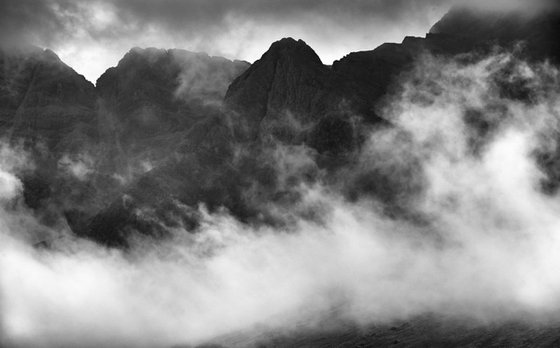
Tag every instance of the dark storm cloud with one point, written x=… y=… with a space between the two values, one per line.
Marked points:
x=52 y=22
x=178 y=13
x=92 y=35
x=49 y=21
x=21 y=19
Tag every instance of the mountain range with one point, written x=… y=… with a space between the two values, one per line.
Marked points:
x=167 y=130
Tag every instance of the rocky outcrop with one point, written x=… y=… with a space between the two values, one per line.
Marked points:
x=48 y=111
x=154 y=92
x=289 y=81
x=42 y=100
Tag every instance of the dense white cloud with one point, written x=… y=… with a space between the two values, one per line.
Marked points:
x=485 y=248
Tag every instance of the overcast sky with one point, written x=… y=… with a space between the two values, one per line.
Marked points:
x=92 y=35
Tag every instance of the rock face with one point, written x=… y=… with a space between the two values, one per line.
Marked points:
x=49 y=110
x=166 y=130
x=44 y=100
x=288 y=79
x=153 y=91
x=89 y=143
x=289 y=87
x=153 y=96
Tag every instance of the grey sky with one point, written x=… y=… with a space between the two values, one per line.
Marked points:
x=92 y=35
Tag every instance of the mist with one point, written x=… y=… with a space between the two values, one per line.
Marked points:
x=478 y=241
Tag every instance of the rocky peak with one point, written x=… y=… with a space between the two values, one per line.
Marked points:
x=294 y=51
x=164 y=74
x=155 y=95
x=41 y=98
x=288 y=79
x=159 y=87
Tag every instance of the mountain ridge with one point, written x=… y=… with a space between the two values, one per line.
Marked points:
x=159 y=113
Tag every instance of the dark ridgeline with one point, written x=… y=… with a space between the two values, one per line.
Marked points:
x=166 y=130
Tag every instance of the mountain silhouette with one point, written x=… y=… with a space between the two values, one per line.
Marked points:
x=171 y=128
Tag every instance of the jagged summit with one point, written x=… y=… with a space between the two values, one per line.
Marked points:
x=289 y=77
x=175 y=58
x=290 y=48
x=41 y=98
x=154 y=92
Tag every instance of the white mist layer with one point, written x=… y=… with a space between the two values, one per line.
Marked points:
x=489 y=250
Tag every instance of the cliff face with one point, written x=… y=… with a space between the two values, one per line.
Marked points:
x=44 y=100
x=151 y=102
x=89 y=143
x=290 y=95
x=289 y=78
x=154 y=91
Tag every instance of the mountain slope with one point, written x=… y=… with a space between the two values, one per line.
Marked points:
x=43 y=99
x=168 y=127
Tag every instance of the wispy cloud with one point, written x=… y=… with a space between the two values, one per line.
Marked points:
x=482 y=244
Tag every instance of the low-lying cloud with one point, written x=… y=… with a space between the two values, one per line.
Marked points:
x=480 y=243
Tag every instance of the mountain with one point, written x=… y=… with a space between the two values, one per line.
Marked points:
x=165 y=130
x=288 y=79
x=287 y=95
x=289 y=87
x=154 y=91
x=89 y=143
x=164 y=117
x=50 y=111
x=153 y=95
x=42 y=99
